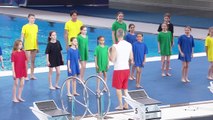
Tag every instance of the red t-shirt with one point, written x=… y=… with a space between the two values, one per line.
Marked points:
x=19 y=58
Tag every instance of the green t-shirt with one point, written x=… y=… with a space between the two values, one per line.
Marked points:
x=116 y=25
x=83 y=47
x=165 y=39
x=102 y=58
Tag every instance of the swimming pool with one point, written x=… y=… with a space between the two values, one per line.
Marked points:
x=10 y=30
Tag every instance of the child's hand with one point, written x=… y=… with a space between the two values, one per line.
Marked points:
x=69 y=70
x=14 y=76
x=192 y=55
x=143 y=63
x=159 y=51
x=97 y=67
x=182 y=54
x=48 y=64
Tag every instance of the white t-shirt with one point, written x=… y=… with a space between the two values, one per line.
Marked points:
x=123 y=50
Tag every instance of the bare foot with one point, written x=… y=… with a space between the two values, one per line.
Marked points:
x=69 y=94
x=15 y=101
x=21 y=100
x=76 y=94
x=57 y=87
x=168 y=74
x=52 y=88
x=163 y=74
x=183 y=80
x=33 y=78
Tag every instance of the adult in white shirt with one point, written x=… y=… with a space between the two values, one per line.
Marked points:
x=120 y=54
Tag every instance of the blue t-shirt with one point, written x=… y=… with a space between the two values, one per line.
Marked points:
x=0 y=51
x=139 y=51
x=73 y=56
x=186 y=45
x=131 y=38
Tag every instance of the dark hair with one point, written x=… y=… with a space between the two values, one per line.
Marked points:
x=210 y=28
x=140 y=34
x=118 y=14
x=167 y=15
x=130 y=25
x=50 y=33
x=73 y=12
x=72 y=38
x=16 y=44
x=81 y=28
x=188 y=27
x=98 y=38
x=29 y=15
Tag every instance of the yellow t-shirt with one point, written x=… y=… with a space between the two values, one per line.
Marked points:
x=73 y=28
x=30 y=36
x=209 y=44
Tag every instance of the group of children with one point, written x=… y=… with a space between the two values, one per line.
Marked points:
x=77 y=54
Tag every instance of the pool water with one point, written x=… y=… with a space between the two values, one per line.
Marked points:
x=10 y=30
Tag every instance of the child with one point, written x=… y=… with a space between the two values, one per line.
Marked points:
x=131 y=38
x=209 y=52
x=54 y=58
x=139 y=52
x=29 y=35
x=186 y=48
x=19 y=69
x=119 y=23
x=1 y=59
x=83 y=50
x=167 y=17
x=73 y=65
x=165 y=42
x=101 y=61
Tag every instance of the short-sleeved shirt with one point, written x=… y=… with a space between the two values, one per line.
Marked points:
x=0 y=51
x=131 y=38
x=170 y=28
x=116 y=25
x=73 y=57
x=139 y=51
x=186 y=44
x=83 y=47
x=165 y=40
x=30 y=36
x=101 y=54
x=19 y=58
x=209 y=44
x=73 y=28
x=123 y=50
x=54 y=52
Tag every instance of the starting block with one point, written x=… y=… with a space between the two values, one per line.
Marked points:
x=145 y=108
x=48 y=110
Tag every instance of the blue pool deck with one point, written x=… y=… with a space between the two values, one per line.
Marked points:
x=168 y=90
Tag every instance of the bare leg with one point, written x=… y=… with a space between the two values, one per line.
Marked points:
x=125 y=94
x=50 y=79
x=163 y=65
x=105 y=79
x=28 y=60
x=74 y=92
x=15 y=84
x=33 y=55
x=119 y=95
x=167 y=65
x=68 y=88
x=187 y=71
x=82 y=71
x=20 y=90
x=138 y=77
x=98 y=82
x=57 y=77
